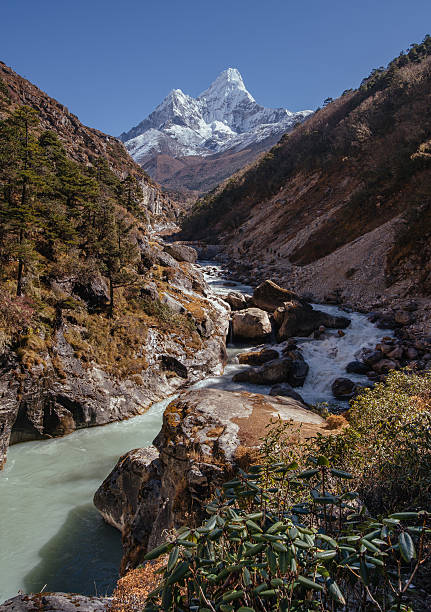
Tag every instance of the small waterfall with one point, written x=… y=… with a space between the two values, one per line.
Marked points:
x=229 y=338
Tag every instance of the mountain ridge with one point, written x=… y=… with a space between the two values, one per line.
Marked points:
x=83 y=144
x=224 y=118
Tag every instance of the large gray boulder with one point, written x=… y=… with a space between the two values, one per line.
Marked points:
x=181 y=252
x=236 y=300
x=118 y=496
x=301 y=320
x=277 y=371
x=93 y=290
x=204 y=434
x=251 y=323
x=269 y=373
x=256 y=358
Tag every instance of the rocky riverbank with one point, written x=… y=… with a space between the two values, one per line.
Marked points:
x=92 y=369
x=393 y=307
x=396 y=308
x=206 y=434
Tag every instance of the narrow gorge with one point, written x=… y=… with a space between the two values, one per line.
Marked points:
x=73 y=550
x=215 y=393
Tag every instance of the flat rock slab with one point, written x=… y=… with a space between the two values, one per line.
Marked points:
x=241 y=416
x=55 y=602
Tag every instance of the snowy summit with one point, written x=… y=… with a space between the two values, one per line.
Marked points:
x=224 y=116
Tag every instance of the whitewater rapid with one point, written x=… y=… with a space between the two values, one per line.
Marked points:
x=327 y=357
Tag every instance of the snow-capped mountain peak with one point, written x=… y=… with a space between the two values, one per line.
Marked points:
x=223 y=116
x=228 y=81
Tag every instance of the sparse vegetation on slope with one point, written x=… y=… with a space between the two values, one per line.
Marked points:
x=361 y=161
x=94 y=324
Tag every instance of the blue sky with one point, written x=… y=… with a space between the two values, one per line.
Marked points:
x=112 y=61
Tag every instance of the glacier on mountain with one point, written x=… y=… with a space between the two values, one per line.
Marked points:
x=224 y=116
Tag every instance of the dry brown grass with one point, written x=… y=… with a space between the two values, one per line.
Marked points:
x=133 y=589
x=245 y=456
x=336 y=421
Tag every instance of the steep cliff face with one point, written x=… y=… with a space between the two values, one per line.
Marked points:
x=83 y=144
x=97 y=319
x=91 y=369
x=342 y=202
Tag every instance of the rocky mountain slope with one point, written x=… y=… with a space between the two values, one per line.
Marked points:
x=217 y=125
x=342 y=204
x=83 y=144
x=98 y=319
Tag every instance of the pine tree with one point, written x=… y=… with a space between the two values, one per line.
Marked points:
x=21 y=181
x=117 y=252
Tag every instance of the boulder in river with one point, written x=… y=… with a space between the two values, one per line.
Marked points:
x=181 y=252
x=343 y=388
x=286 y=390
x=205 y=434
x=236 y=300
x=370 y=357
x=269 y=373
x=301 y=320
x=298 y=373
x=279 y=370
x=269 y=296
x=357 y=367
x=258 y=357
x=251 y=323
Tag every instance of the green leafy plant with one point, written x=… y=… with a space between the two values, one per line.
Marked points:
x=258 y=550
x=387 y=446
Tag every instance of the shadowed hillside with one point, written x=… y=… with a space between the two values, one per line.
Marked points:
x=359 y=163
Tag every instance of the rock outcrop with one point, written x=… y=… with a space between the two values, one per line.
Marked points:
x=55 y=602
x=53 y=385
x=205 y=433
x=181 y=252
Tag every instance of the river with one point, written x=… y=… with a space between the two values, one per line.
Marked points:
x=51 y=535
